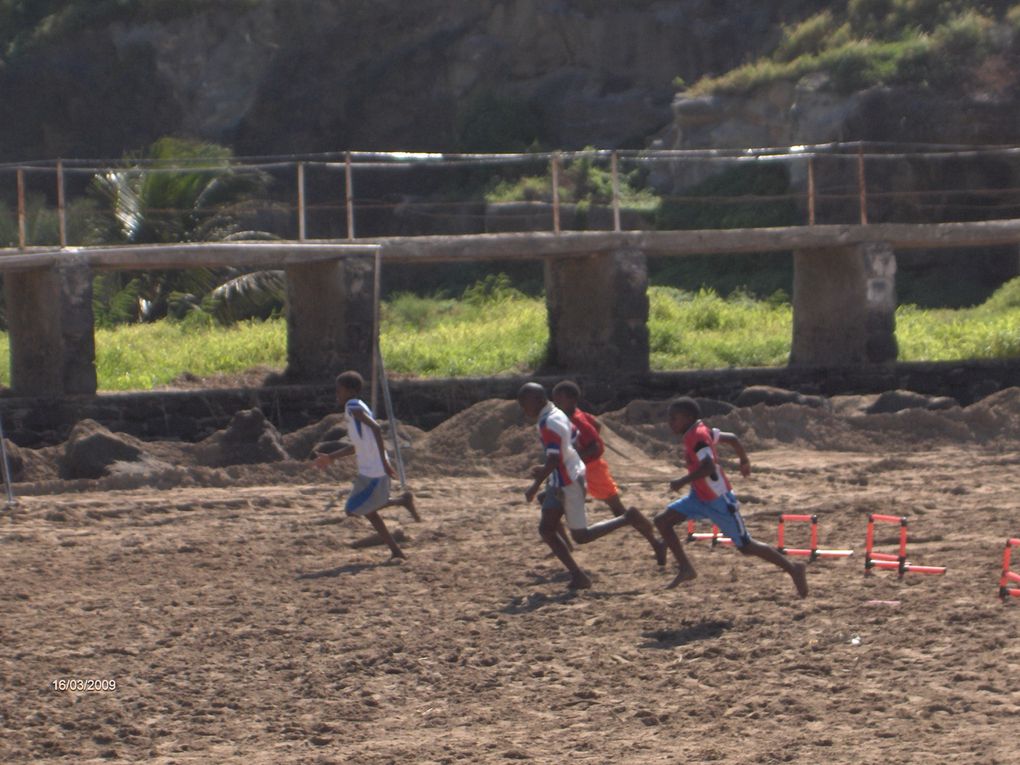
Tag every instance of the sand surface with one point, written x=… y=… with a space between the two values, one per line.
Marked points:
x=242 y=623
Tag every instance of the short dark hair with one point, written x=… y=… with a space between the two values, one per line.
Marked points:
x=532 y=390
x=569 y=387
x=350 y=380
x=686 y=405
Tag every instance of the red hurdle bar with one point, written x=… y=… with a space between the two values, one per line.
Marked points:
x=812 y=553
x=1008 y=576
x=716 y=536
x=886 y=560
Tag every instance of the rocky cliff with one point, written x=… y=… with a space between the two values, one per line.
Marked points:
x=273 y=76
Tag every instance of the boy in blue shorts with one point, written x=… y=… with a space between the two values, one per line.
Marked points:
x=371 y=490
x=711 y=495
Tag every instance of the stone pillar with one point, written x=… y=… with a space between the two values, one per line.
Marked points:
x=51 y=325
x=844 y=306
x=329 y=319
x=598 y=313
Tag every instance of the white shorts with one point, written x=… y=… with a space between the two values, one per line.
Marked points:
x=368 y=494
x=570 y=499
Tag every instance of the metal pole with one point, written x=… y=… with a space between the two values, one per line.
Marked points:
x=6 y=467
x=862 y=191
x=301 y=200
x=61 y=208
x=556 y=191
x=615 y=167
x=811 y=191
x=393 y=421
x=377 y=354
x=21 y=208
x=349 y=195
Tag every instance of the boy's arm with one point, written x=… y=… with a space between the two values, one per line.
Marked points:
x=704 y=470
x=733 y=442
x=372 y=425
x=325 y=460
x=540 y=474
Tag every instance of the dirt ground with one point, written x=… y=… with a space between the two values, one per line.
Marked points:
x=244 y=623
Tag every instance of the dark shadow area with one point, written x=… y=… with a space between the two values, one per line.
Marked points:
x=329 y=573
x=691 y=633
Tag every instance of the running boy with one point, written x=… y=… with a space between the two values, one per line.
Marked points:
x=591 y=448
x=371 y=490
x=711 y=495
x=564 y=492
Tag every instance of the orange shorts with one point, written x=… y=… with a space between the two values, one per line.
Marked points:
x=600 y=483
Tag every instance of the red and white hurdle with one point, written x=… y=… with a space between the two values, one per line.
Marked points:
x=716 y=536
x=812 y=553
x=1009 y=576
x=899 y=562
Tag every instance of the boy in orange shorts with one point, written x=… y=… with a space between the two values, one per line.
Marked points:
x=591 y=447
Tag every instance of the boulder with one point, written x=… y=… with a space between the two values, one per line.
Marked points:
x=91 y=449
x=770 y=396
x=249 y=439
x=893 y=401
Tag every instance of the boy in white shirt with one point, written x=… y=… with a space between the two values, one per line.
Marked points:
x=371 y=490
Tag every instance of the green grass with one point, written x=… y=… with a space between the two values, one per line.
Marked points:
x=496 y=330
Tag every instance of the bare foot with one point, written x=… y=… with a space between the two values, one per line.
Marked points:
x=684 y=575
x=799 y=575
x=660 y=552
x=408 y=501
x=397 y=555
x=579 y=581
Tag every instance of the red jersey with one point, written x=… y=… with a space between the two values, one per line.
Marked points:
x=587 y=434
x=699 y=442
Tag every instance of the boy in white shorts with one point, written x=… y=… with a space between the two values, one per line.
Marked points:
x=563 y=475
x=371 y=490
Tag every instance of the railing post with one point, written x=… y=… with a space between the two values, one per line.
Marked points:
x=615 y=169
x=861 y=189
x=349 y=195
x=61 y=209
x=21 y=208
x=301 y=200
x=811 y=191
x=556 y=191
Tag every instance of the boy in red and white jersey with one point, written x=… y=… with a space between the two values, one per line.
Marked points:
x=711 y=495
x=599 y=480
x=563 y=474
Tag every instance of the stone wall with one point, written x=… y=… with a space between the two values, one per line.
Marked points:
x=193 y=415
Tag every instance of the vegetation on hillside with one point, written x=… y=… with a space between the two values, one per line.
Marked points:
x=942 y=44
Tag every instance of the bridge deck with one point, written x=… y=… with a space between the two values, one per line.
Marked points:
x=529 y=245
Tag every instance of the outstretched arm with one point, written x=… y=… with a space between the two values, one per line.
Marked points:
x=325 y=460
x=734 y=443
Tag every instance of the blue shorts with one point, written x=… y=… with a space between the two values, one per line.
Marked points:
x=722 y=511
x=368 y=495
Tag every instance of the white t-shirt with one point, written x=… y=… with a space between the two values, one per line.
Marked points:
x=366 y=448
x=557 y=434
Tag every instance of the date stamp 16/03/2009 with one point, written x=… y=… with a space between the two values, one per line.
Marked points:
x=84 y=685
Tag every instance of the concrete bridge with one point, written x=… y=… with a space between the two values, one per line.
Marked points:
x=596 y=291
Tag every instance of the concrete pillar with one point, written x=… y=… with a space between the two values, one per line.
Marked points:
x=329 y=319
x=598 y=313
x=51 y=326
x=844 y=306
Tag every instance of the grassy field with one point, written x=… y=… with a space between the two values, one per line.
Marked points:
x=504 y=332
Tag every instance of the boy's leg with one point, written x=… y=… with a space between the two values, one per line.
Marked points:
x=405 y=500
x=664 y=522
x=797 y=571
x=642 y=524
x=377 y=523
x=598 y=530
x=564 y=536
x=548 y=529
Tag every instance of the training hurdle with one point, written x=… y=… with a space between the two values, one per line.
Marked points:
x=1008 y=576
x=715 y=537
x=812 y=553
x=899 y=562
